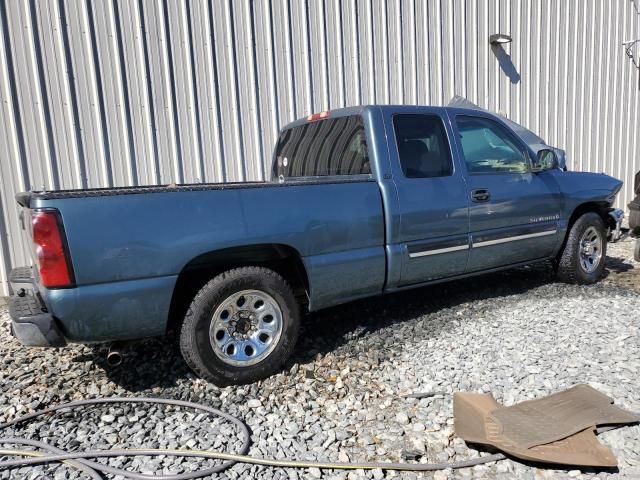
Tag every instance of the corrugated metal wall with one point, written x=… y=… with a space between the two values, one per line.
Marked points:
x=112 y=92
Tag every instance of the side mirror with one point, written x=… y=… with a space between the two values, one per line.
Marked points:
x=546 y=159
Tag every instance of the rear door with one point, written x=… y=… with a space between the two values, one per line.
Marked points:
x=432 y=237
x=513 y=212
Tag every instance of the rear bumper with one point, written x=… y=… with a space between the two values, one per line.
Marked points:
x=106 y=312
x=31 y=322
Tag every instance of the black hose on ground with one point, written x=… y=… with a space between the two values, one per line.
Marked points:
x=80 y=460
x=98 y=467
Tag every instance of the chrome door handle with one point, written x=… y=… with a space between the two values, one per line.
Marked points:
x=480 y=195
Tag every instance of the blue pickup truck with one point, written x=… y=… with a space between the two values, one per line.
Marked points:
x=362 y=201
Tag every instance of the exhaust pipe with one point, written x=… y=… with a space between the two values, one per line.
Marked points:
x=114 y=357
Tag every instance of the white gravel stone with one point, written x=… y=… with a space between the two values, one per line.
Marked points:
x=402 y=418
x=377 y=474
x=418 y=427
x=315 y=472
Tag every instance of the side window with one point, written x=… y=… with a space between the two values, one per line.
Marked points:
x=422 y=146
x=488 y=147
x=334 y=146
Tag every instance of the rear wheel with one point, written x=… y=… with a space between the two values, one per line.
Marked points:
x=583 y=257
x=240 y=327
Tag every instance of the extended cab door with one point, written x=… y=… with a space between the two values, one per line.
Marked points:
x=431 y=240
x=513 y=212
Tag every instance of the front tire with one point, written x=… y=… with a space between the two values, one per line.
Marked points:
x=583 y=257
x=241 y=326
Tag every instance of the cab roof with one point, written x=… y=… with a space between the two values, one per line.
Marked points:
x=359 y=109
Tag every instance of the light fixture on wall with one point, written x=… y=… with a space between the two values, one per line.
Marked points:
x=499 y=39
x=629 y=48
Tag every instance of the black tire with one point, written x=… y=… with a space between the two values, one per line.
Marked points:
x=636 y=250
x=195 y=343
x=568 y=266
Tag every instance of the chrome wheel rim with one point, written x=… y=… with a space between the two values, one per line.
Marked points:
x=590 y=250
x=245 y=328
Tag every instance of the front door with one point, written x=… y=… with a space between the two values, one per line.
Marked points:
x=513 y=212
x=432 y=200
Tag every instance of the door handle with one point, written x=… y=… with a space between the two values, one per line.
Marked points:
x=480 y=195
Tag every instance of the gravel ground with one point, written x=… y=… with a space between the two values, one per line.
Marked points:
x=516 y=334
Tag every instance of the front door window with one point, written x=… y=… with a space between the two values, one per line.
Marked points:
x=488 y=147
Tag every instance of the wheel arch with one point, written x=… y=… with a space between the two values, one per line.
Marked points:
x=283 y=259
x=601 y=208
x=596 y=207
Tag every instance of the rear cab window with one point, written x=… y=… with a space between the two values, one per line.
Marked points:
x=324 y=148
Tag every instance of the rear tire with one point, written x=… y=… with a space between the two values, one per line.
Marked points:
x=241 y=326
x=583 y=257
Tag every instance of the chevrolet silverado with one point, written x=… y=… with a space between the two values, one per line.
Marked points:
x=362 y=201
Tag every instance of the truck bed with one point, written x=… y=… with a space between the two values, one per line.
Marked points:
x=129 y=245
x=25 y=198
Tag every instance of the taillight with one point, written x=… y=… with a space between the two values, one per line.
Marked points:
x=317 y=116
x=50 y=250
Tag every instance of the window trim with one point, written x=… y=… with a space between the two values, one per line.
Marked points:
x=447 y=137
x=514 y=138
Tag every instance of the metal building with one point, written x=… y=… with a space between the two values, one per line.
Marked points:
x=100 y=93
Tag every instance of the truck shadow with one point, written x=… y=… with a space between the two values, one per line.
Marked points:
x=617 y=265
x=326 y=331
x=622 y=273
x=156 y=363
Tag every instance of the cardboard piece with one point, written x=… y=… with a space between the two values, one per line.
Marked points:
x=559 y=428
x=545 y=420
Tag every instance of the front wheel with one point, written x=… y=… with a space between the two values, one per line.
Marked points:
x=582 y=259
x=240 y=327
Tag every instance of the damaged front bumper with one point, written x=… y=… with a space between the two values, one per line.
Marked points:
x=616 y=217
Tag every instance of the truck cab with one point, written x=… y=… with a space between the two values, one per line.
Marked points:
x=462 y=192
